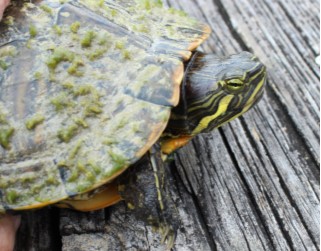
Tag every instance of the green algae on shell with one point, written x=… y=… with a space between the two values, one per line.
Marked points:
x=74 y=151
x=3 y=118
x=12 y=196
x=38 y=75
x=141 y=28
x=57 y=29
x=88 y=38
x=62 y=101
x=32 y=122
x=6 y=54
x=46 y=8
x=74 y=27
x=6 y=132
x=118 y=159
x=126 y=54
x=119 y=45
x=74 y=68
x=59 y=55
x=8 y=51
x=93 y=109
x=9 y=20
x=149 y=4
x=4 y=65
x=81 y=122
x=67 y=133
x=33 y=31
x=68 y=85
x=82 y=90
x=96 y=53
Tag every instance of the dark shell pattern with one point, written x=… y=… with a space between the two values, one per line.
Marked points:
x=86 y=87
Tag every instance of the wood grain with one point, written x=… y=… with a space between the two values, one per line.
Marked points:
x=251 y=185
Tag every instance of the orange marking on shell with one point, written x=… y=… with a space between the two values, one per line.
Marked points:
x=105 y=198
x=201 y=39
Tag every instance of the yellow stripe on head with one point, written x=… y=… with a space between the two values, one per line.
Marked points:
x=257 y=89
x=222 y=108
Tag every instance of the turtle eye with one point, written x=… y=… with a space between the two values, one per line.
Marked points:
x=234 y=85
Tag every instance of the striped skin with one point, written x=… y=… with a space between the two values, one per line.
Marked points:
x=216 y=90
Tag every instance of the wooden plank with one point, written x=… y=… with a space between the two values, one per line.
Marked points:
x=251 y=185
x=39 y=230
x=289 y=187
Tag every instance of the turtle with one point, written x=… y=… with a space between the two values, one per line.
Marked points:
x=88 y=87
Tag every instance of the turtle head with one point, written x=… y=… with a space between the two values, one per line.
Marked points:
x=216 y=90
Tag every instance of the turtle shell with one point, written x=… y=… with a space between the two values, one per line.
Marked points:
x=86 y=88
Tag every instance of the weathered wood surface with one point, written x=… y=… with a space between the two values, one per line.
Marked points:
x=251 y=185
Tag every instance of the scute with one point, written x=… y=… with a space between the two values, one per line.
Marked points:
x=96 y=86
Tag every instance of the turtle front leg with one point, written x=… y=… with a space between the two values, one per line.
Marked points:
x=145 y=187
x=172 y=144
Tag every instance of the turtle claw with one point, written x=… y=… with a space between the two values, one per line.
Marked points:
x=168 y=236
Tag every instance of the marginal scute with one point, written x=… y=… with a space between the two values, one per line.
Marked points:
x=100 y=77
